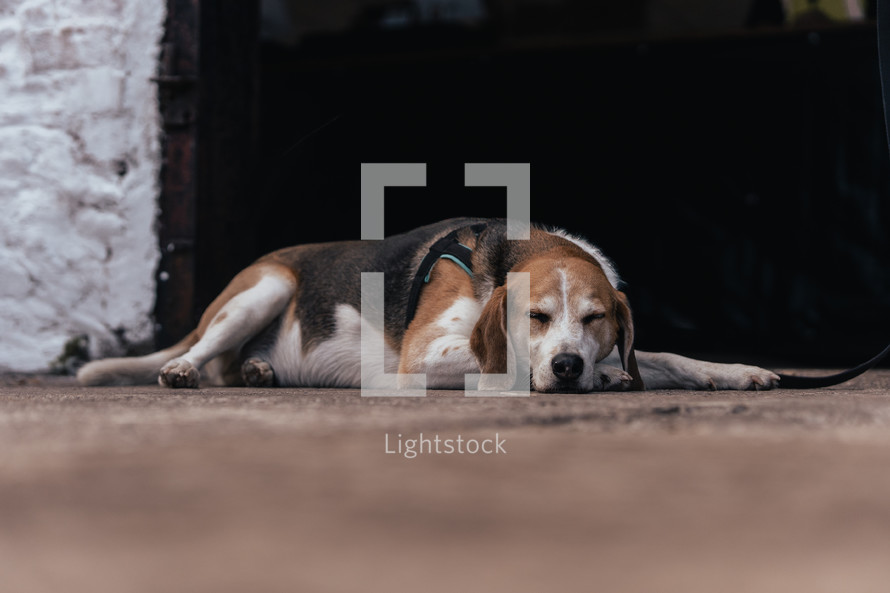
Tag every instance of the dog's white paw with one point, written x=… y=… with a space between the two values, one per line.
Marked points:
x=179 y=373
x=715 y=376
x=257 y=373
x=610 y=378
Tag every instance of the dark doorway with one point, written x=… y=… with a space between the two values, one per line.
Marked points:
x=737 y=177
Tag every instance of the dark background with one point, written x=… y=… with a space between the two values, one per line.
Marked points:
x=738 y=177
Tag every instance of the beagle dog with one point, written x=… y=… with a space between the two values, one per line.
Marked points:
x=293 y=318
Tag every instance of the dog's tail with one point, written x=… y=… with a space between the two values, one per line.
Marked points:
x=137 y=370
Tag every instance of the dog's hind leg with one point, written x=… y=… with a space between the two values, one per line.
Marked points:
x=256 y=372
x=255 y=298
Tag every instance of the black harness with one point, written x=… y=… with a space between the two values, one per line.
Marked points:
x=448 y=247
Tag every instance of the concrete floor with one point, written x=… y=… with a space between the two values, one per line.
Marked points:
x=145 y=490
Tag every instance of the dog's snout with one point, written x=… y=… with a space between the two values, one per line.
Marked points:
x=567 y=367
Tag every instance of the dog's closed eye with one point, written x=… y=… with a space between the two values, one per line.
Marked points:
x=593 y=317
x=539 y=317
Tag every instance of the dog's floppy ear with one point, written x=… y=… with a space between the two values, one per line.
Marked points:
x=626 y=342
x=489 y=338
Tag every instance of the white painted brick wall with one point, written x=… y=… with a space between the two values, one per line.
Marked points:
x=79 y=164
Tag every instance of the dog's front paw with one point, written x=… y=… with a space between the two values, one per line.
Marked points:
x=740 y=377
x=257 y=373
x=179 y=373
x=611 y=379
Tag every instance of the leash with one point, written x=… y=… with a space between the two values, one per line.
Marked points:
x=803 y=382
x=807 y=382
x=884 y=59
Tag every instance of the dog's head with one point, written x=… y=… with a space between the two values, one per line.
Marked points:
x=575 y=319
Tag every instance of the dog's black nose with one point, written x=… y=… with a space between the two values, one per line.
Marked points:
x=567 y=367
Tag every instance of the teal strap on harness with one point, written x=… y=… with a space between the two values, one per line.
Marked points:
x=453 y=258
x=448 y=247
